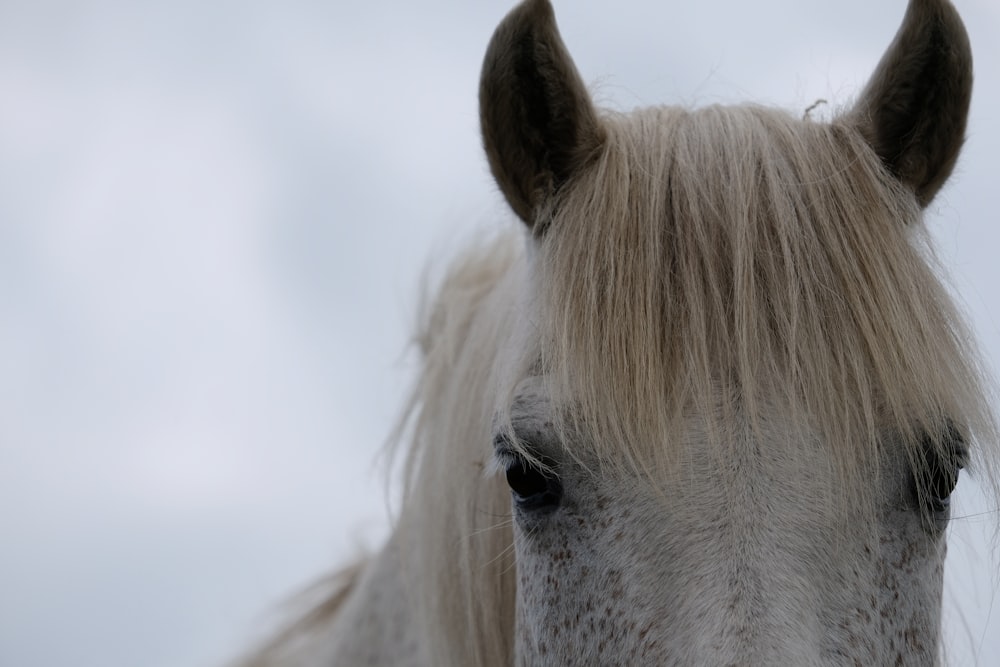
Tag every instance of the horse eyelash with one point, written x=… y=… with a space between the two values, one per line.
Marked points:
x=502 y=458
x=497 y=464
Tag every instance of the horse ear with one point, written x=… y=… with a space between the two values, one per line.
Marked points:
x=914 y=109
x=538 y=122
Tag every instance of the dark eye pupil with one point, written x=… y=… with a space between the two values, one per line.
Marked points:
x=533 y=488
x=526 y=481
x=944 y=482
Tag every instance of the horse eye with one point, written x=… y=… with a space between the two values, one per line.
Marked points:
x=941 y=482
x=533 y=488
x=941 y=475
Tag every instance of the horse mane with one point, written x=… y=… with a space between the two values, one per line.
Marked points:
x=313 y=609
x=464 y=602
x=708 y=264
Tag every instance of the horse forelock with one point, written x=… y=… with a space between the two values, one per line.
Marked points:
x=721 y=263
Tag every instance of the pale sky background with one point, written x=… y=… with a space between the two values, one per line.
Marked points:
x=213 y=221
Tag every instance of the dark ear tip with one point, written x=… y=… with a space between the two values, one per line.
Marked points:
x=525 y=21
x=535 y=10
x=527 y=16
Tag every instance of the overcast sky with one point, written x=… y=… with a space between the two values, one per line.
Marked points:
x=213 y=222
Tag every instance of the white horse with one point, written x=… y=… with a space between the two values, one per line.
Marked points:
x=705 y=407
